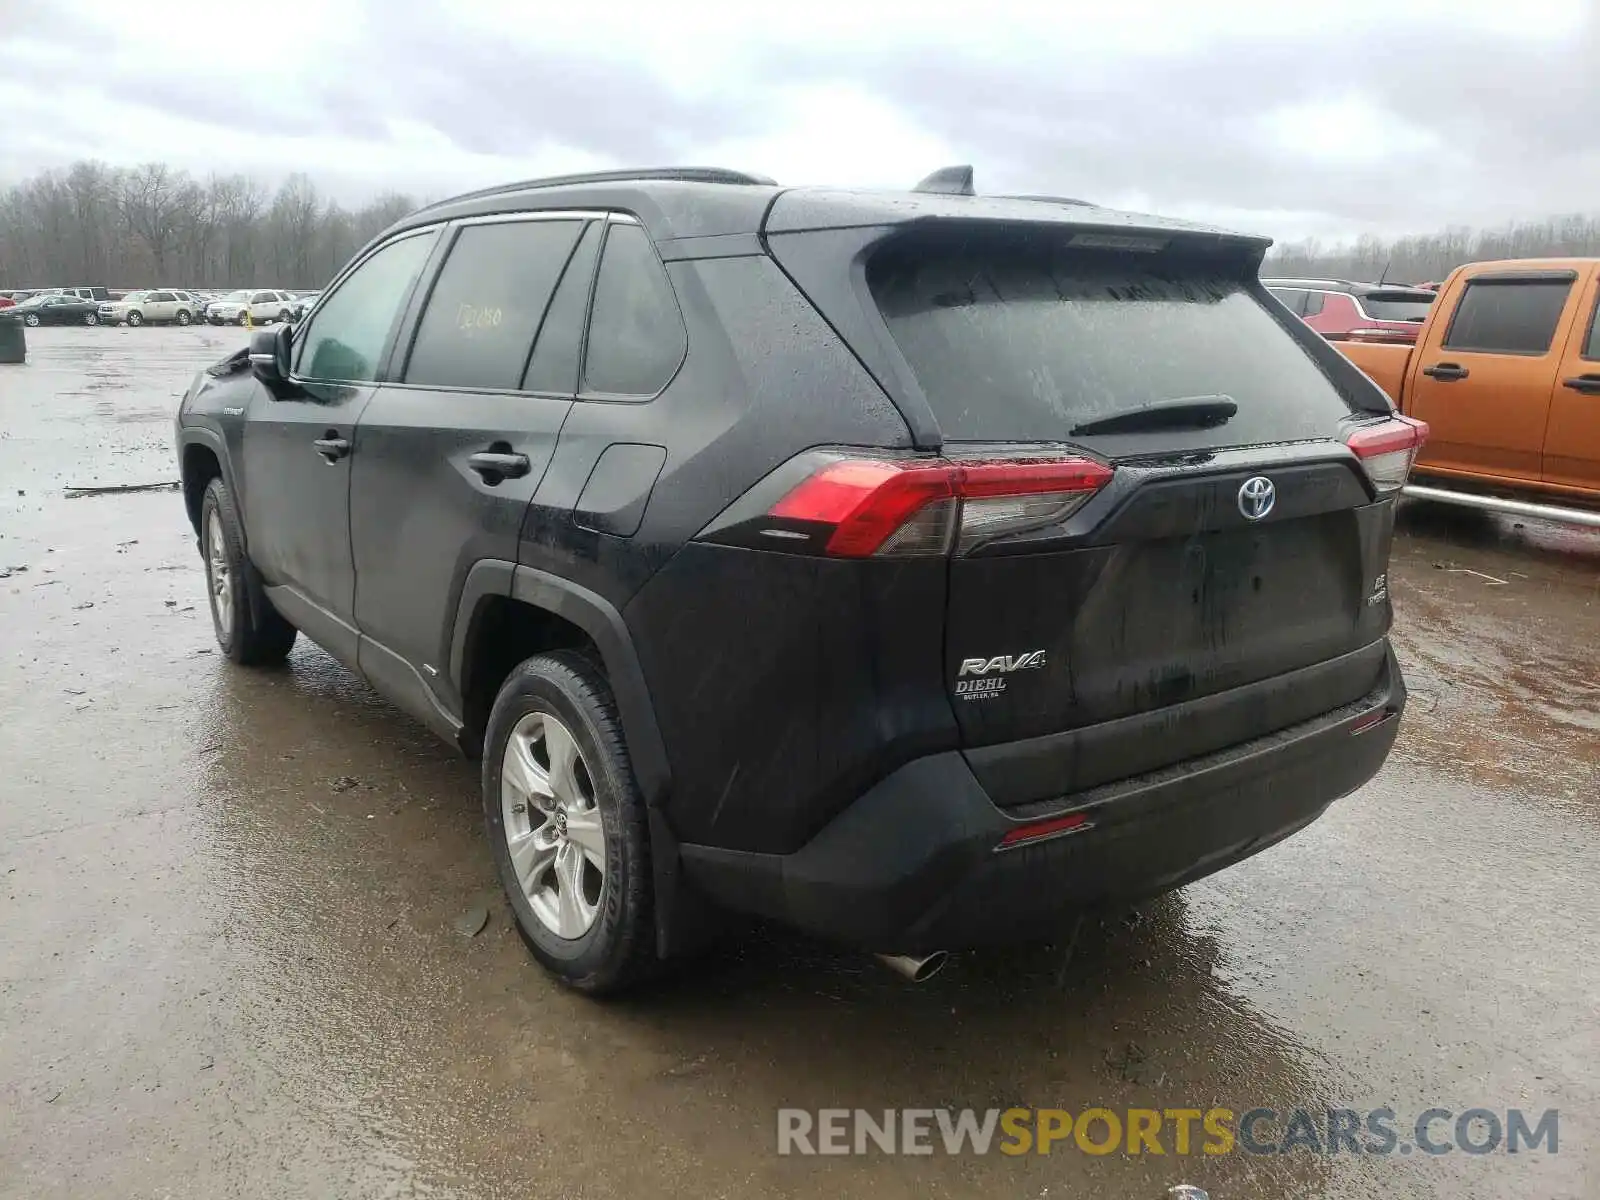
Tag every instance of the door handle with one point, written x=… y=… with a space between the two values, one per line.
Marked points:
x=332 y=447
x=495 y=465
x=1446 y=372
x=1589 y=385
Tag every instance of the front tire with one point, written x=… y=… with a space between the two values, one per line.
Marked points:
x=136 y=318
x=249 y=630
x=244 y=318
x=31 y=320
x=567 y=825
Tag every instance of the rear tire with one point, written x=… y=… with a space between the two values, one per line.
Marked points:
x=183 y=316
x=597 y=937
x=90 y=319
x=249 y=630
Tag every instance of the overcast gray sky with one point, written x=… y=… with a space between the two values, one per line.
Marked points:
x=1278 y=117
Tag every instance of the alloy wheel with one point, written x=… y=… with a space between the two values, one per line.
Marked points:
x=552 y=825
x=219 y=577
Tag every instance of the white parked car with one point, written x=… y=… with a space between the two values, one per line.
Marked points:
x=158 y=306
x=261 y=306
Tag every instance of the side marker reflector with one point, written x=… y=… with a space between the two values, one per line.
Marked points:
x=1036 y=831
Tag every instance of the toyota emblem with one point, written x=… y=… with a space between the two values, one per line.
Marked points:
x=1256 y=497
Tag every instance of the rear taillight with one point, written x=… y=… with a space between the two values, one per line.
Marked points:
x=1388 y=449
x=877 y=507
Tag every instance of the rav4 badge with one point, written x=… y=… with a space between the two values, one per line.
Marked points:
x=988 y=675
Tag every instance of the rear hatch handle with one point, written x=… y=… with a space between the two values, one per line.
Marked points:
x=1446 y=372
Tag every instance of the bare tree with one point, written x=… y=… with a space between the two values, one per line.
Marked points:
x=1427 y=258
x=151 y=197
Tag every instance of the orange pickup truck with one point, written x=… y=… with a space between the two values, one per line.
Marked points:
x=1506 y=372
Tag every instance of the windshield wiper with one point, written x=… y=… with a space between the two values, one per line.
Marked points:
x=1186 y=412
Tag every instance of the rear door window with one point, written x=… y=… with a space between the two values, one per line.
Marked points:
x=554 y=365
x=1023 y=341
x=491 y=295
x=1508 y=316
x=636 y=335
x=1593 y=349
x=1313 y=304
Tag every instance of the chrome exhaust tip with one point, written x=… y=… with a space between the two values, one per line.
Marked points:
x=915 y=968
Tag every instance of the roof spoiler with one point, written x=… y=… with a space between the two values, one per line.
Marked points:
x=948 y=181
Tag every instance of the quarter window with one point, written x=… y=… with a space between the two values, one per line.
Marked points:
x=1313 y=304
x=486 y=307
x=1593 y=349
x=345 y=340
x=636 y=335
x=1508 y=316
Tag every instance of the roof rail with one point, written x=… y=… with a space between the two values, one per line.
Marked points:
x=674 y=174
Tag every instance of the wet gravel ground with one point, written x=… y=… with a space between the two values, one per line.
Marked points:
x=229 y=966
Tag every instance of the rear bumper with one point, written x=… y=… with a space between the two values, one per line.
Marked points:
x=912 y=866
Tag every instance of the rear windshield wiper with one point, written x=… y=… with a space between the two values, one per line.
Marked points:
x=1186 y=412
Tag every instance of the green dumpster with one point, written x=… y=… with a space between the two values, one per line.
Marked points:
x=13 y=339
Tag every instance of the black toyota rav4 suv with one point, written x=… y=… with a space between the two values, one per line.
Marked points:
x=918 y=569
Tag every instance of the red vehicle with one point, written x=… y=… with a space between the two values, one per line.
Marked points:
x=1342 y=311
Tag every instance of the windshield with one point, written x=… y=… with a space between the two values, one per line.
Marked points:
x=134 y=297
x=237 y=296
x=1024 y=343
x=1397 y=306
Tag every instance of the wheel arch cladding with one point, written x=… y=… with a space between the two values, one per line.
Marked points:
x=200 y=464
x=602 y=625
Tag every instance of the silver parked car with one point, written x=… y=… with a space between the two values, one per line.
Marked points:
x=157 y=306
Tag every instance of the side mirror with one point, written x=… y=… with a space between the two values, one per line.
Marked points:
x=269 y=354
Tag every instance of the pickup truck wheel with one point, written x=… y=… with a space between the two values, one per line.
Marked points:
x=250 y=631
x=567 y=825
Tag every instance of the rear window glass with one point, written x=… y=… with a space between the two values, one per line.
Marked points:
x=1022 y=343
x=1292 y=298
x=491 y=295
x=1387 y=306
x=1508 y=316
